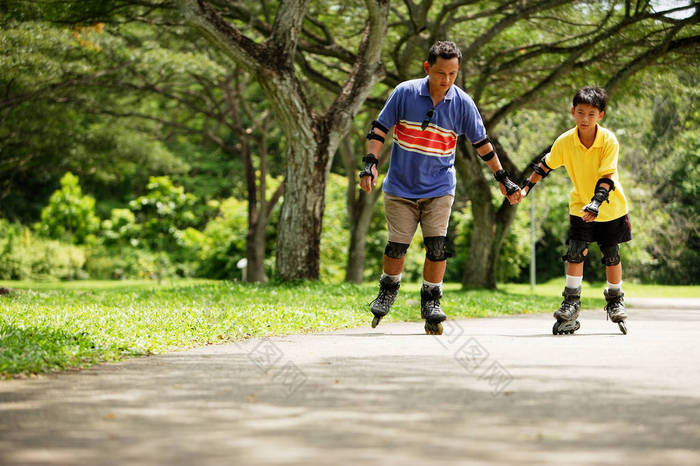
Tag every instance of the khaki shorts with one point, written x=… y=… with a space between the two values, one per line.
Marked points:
x=403 y=216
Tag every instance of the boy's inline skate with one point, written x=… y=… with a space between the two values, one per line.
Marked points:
x=388 y=291
x=567 y=314
x=430 y=309
x=616 y=308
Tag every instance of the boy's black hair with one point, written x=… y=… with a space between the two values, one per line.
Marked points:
x=592 y=95
x=444 y=49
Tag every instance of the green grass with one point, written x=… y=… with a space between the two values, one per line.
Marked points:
x=56 y=326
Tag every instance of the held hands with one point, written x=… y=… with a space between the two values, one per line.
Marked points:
x=509 y=189
x=513 y=198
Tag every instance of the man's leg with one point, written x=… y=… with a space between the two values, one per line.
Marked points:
x=402 y=221
x=393 y=266
x=434 y=271
x=434 y=219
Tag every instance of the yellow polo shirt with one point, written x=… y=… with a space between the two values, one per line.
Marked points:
x=585 y=167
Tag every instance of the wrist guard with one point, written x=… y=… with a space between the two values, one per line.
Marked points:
x=600 y=196
x=502 y=177
x=369 y=160
x=529 y=185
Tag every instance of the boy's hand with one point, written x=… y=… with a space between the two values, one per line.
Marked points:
x=588 y=216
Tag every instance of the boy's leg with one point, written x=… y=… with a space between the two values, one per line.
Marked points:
x=609 y=235
x=614 y=296
x=577 y=250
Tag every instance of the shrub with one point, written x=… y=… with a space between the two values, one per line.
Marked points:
x=69 y=215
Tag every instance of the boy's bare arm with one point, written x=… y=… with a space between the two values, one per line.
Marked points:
x=540 y=171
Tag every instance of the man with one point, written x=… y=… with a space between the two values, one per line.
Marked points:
x=427 y=115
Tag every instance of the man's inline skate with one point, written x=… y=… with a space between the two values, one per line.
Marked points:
x=616 y=308
x=388 y=291
x=567 y=314
x=430 y=309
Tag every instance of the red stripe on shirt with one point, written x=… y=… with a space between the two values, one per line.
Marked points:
x=433 y=139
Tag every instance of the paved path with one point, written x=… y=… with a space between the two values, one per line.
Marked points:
x=498 y=391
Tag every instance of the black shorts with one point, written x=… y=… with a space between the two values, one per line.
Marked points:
x=604 y=233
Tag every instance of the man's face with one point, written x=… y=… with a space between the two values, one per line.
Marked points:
x=442 y=73
x=586 y=116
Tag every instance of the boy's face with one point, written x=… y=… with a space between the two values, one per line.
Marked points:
x=586 y=116
x=442 y=73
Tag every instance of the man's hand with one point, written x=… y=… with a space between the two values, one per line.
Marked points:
x=368 y=180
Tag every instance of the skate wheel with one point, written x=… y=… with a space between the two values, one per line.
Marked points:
x=623 y=327
x=433 y=329
x=556 y=329
x=375 y=321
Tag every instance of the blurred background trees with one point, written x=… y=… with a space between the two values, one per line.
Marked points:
x=136 y=147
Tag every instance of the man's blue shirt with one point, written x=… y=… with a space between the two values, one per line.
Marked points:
x=422 y=161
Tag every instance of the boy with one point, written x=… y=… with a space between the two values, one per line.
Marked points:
x=427 y=115
x=597 y=205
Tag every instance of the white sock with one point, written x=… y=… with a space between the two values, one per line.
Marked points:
x=573 y=281
x=614 y=286
x=428 y=284
x=393 y=278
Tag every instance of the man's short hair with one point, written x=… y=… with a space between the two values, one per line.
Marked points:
x=592 y=95
x=444 y=49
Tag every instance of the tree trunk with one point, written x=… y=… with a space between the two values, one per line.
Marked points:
x=308 y=164
x=255 y=252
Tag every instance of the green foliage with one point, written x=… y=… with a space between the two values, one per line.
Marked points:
x=222 y=244
x=133 y=263
x=24 y=256
x=216 y=250
x=70 y=215
x=162 y=213
x=335 y=237
x=120 y=229
x=57 y=113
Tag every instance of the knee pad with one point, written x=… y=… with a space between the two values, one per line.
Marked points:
x=611 y=254
x=436 y=248
x=576 y=253
x=395 y=250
